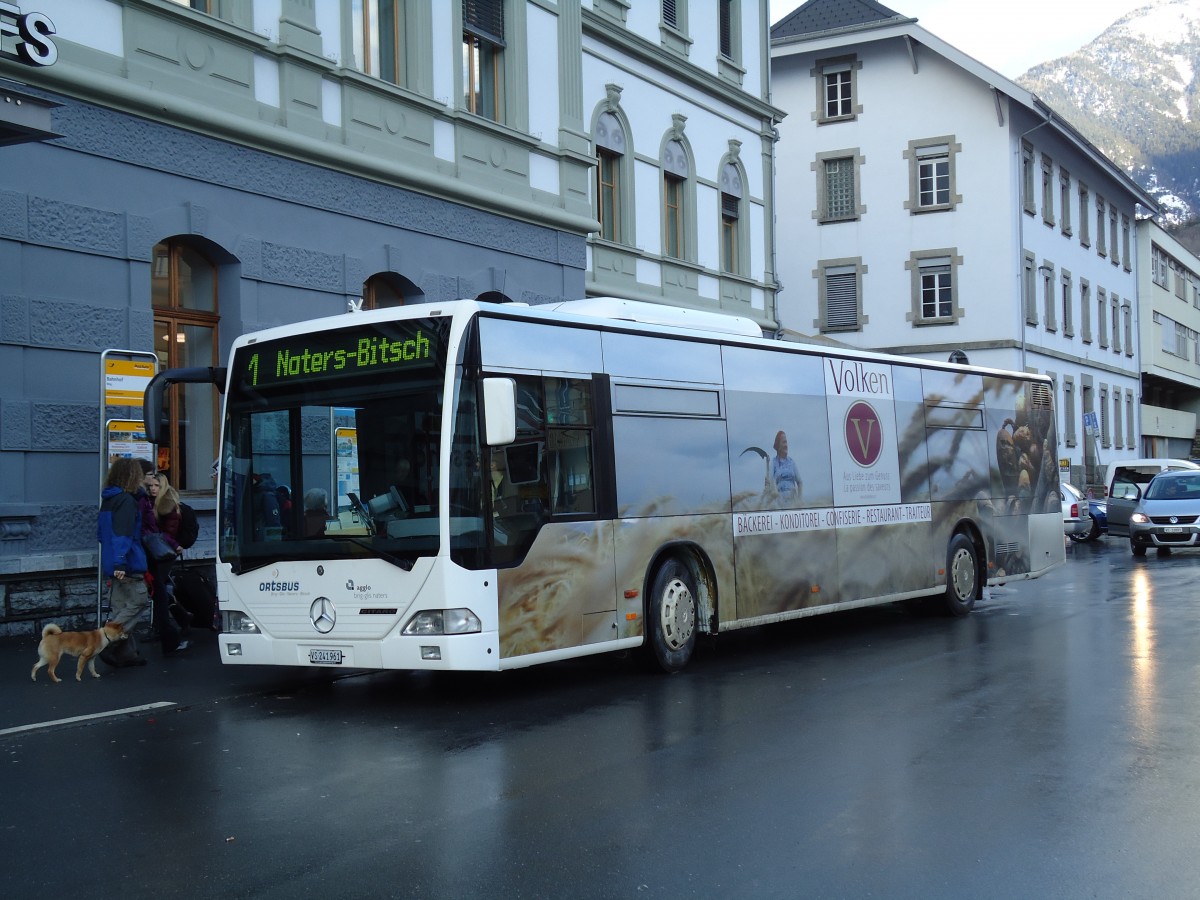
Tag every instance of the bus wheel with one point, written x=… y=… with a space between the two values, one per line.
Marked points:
x=671 y=618
x=962 y=575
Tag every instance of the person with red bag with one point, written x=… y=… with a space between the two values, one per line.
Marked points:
x=160 y=526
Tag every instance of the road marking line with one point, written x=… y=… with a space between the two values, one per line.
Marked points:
x=103 y=715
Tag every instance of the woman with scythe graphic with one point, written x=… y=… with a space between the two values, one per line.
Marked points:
x=781 y=474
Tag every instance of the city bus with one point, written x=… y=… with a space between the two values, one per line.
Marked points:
x=479 y=486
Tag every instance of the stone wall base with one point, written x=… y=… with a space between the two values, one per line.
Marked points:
x=67 y=598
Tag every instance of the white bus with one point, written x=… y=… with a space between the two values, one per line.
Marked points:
x=482 y=486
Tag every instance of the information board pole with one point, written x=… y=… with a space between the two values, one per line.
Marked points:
x=124 y=376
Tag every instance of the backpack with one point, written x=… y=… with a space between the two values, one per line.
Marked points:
x=189 y=526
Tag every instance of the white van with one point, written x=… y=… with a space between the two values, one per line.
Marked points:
x=1127 y=479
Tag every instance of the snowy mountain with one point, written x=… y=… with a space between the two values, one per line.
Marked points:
x=1134 y=92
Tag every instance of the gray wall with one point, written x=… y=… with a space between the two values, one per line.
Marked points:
x=79 y=217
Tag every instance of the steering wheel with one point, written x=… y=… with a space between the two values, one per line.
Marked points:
x=364 y=515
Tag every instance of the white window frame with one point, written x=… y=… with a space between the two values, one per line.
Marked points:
x=934 y=263
x=930 y=152
x=840 y=73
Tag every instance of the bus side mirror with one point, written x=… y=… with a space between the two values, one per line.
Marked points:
x=154 y=411
x=499 y=411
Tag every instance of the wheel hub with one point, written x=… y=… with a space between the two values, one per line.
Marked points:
x=963 y=575
x=678 y=614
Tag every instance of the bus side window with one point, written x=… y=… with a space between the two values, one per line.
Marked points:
x=569 y=424
x=569 y=455
x=548 y=470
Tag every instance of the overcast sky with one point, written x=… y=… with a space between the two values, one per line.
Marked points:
x=1004 y=35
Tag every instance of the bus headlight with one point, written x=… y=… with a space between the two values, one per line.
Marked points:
x=235 y=622
x=443 y=621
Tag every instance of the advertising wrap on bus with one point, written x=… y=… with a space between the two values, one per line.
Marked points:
x=661 y=482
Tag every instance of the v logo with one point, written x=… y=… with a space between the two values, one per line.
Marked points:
x=863 y=433
x=864 y=443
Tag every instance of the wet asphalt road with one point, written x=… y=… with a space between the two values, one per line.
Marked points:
x=1046 y=746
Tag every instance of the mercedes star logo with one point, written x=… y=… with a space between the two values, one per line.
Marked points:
x=322 y=615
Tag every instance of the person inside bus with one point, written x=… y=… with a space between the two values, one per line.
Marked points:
x=783 y=470
x=284 y=495
x=316 y=512
x=268 y=525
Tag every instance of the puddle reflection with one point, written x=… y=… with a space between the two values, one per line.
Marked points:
x=1143 y=686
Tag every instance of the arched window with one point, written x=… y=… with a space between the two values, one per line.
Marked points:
x=676 y=170
x=482 y=58
x=183 y=294
x=610 y=152
x=378 y=33
x=385 y=289
x=494 y=297
x=732 y=219
x=612 y=142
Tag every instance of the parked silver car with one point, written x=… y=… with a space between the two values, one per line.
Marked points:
x=1168 y=514
x=1077 y=519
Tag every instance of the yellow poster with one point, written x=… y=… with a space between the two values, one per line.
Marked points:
x=127 y=438
x=125 y=381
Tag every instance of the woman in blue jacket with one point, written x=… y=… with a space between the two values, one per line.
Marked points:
x=122 y=559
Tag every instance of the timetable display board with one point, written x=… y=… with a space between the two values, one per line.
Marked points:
x=368 y=350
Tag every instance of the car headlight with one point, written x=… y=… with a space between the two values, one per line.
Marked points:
x=235 y=622
x=443 y=621
x=1139 y=518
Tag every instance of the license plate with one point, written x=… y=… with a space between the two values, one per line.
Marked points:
x=1173 y=529
x=325 y=657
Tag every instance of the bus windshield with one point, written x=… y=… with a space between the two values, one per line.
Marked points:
x=331 y=445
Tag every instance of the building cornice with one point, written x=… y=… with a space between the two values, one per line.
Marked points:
x=602 y=29
x=113 y=92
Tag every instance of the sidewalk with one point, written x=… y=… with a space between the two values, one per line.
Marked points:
x=193 y=677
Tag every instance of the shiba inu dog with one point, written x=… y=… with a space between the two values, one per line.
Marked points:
x=84 y=644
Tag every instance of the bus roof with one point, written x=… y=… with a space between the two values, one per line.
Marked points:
x=658 y=314
x=621 y=313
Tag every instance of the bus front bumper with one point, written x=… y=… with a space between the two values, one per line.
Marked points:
x=477 y=652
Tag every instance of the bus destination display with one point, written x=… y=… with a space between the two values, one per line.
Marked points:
x=345 y=352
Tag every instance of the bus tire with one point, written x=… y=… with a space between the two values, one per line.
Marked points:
x=962 y=575
x=671 y=617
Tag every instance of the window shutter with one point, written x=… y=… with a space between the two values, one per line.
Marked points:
x=484 y=19
x=729 y=206
x=726 y=30
x=841 y=301
x=669 y=14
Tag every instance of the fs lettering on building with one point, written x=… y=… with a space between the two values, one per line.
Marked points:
x=26 y=37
